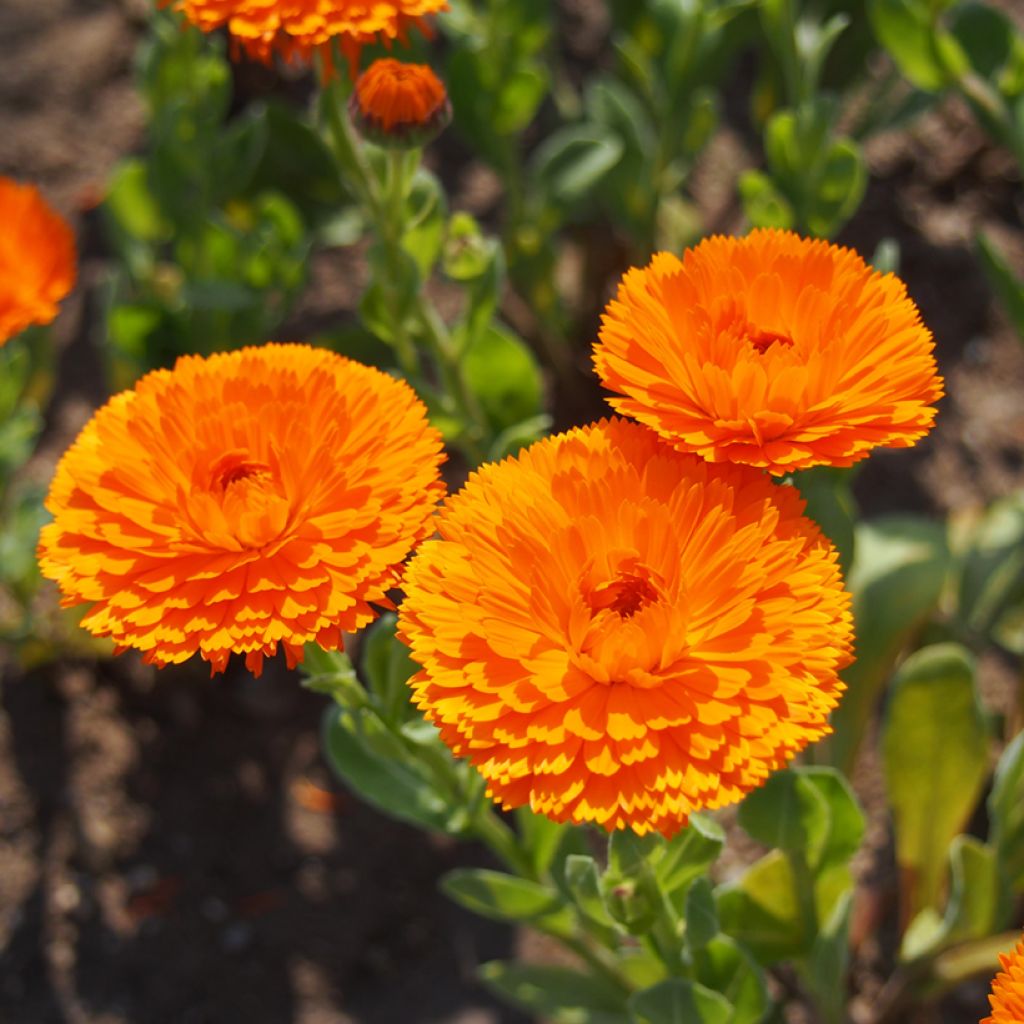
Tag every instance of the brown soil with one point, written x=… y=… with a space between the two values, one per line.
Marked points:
x=174 y=851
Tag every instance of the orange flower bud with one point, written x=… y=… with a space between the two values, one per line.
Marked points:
x=399 y=104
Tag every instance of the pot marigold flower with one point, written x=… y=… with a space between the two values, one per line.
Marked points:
x=395 y=103
x=261 y=496
x=616 y=632
x=1007 y=998
x=296 y=29
x=37 y=259
x=770 y=350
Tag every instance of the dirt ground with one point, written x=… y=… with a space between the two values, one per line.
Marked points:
x=174 y=851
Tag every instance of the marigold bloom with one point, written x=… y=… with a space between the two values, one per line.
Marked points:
x=295 y=29
x=37 y=259
x=257 y=497
x=398 y=103
x=1007 y=998
x=770 y=350
x=616 y=632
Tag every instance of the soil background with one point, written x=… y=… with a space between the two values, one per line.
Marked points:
x=175 y=851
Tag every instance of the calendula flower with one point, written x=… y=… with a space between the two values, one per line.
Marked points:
x=296 y=29
x=770 y=350
x=399 y=104
x=258 y=497
x=37 y=259
x=1007 y=998
x=616 y=632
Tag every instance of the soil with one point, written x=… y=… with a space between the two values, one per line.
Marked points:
x=174 y=851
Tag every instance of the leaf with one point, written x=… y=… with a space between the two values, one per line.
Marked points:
x=679 y=1002
x=1006 y=814
x=388 y=668
x=568 y=165
x=582 y=880
x=764 y=205
x=935 y=757
x=1008 y=287
x=725 y=967
x=689 y=853
x=540 y=837
x=131 y=204
x=504 y=897
x=388 y=781
x=904 y=28
x=504 y=376
x=846 y=819
x=899 y=569
x=701 y=917
x=829 y=960
x=553 y=990
x=787 y=812
x=830 y=504
x=839 y=189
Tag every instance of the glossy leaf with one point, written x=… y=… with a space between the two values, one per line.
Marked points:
x=388 y=668
x=935 y=755
x=789 y=813
x=905 y=28
x=701 y=916
x=552 y=991
x=723 y=966
x=504 y=897
x=504 y=376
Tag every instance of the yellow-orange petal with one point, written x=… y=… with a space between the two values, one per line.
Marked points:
x=770 y=350
x=37 y=259
x=615 y=632
x=296 y=29
x=1007 y=998
x=398 y=103
x=259 y=497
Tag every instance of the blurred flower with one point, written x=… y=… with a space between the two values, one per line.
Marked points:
x=37 y=259
x=770 y=350
x=1007 y=996
x=298 y=28
x=395 y=103
x=259 y=496
x=613 y=631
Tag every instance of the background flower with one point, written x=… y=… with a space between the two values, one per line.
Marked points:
x=297 y=28
x=770 y=350
x=615 y=632
x=1007 y=997
x=260 y=496
x=37 y=259
x=395 y=102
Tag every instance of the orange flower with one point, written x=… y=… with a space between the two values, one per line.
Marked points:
x=613 y=631
x=260 y=496
x=398 y=103
x=1007 y=996
x=298 y=28
x=770 y=350
x=37 y=259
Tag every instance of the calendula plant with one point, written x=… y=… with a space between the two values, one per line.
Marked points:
x=607 y=635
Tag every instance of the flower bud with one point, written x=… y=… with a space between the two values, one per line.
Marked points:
x=399 y=104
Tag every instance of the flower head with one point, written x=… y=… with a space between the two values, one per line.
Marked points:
x=1007 y=998
x=770 y=350
x=37 y=259
x=616 y=632
x=395 y=103
x=295 y=29
x=257 y=497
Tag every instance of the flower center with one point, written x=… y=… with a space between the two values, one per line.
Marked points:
x=235 y=467
x=626 y=594
x=763 y=340
x=253 y=509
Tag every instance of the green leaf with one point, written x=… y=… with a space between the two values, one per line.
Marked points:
x=582 y=880
x=839 y=189
x=568 y=165
x=504 y=897
x=787 y=812
x=426 y=211
x=132 y=206
x=829 y=960
x=992 y=573
x=689 y=853
x=387 y=303
x=679 y=1002
x=701 y=916
x=467 y=252
x=935 y=757
x=986 y=36
x=559 y=993
x=761 y=910
x=1008 y=287
x=725 y=967
x=379 y=769
x=1006 y=814
x=540 y=837
x=846 y=819
x=763 y=204
x=905 y=29
x=899 y=569
x=388 y=668
x=504 y=376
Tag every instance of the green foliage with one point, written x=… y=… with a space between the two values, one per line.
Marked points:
x=899 y=571
x=935 y=750
x=561 y=994
x=679 y=1002
x=1006 y=814
x=1009 y=289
